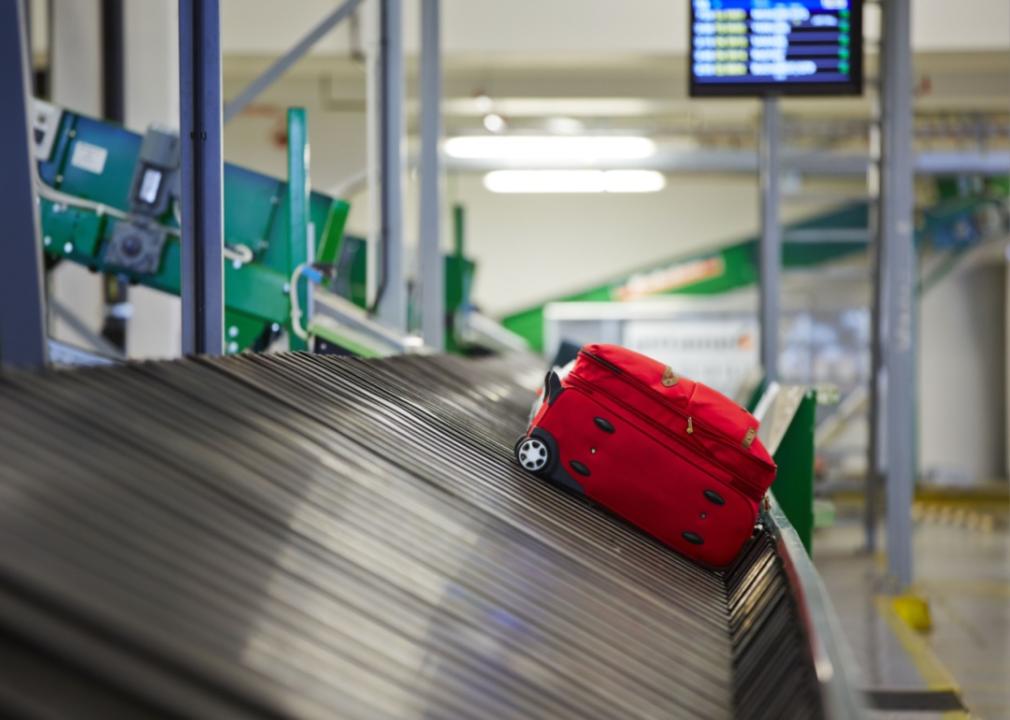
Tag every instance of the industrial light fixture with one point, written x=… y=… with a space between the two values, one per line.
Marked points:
x=574 y=181
x=483 y=103
x=493 y=122
x=575 y=149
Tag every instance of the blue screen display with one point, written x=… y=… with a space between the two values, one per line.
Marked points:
x=759 y=47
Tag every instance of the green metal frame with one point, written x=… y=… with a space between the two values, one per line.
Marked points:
x=794 y=454
x=270 y=216
x=794 y=481
x=258 y=215
x=459 y=276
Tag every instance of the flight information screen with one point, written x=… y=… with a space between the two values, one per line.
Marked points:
x=776 y=47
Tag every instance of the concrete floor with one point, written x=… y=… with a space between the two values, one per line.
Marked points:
x=964 y=571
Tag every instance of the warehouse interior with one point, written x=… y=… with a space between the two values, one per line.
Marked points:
x=281 y=282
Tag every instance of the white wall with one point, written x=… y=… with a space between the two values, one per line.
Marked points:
x=76 y=71
x=962 y=372
x=152 y=63
x=532 y=247
x=968 y=24
x=152 y=53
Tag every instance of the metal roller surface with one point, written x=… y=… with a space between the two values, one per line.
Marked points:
x=308 y=536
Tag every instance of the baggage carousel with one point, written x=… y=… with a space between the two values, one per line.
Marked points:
x=306 y=536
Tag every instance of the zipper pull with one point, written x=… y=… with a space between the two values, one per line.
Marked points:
x=690 y=425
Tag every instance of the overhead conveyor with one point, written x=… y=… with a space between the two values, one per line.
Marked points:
x=308 y=536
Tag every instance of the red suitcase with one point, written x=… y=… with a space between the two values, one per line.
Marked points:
x=672 y=456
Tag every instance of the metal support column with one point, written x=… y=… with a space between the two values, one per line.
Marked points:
x=202 y=271
x=770 y=249
x=115 y=288
x=432 y=265
x=392 y=292
x=113 y=61
x=898 y=286
x=373 y=162
x=22 y=312
x=875 y=441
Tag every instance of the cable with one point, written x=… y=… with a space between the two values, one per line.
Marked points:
x=296 y=308
x=237 y=253
x=312 y=275
x=57 y=196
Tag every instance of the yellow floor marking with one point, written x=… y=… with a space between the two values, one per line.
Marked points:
x=933 y=672
x=953 y=514
x=998 y=499
x=913 y=608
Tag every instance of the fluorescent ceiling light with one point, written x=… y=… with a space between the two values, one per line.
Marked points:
x=633 y=181
x=574 y=181
x=582 y=149
x=573 y=107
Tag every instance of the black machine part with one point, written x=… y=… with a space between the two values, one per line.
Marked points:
x=136 y=246
x=155 y=179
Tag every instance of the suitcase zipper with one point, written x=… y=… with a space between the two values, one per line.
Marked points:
x=578 y=383
x=691 y=424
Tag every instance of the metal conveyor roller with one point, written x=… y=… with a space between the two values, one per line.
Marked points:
x=308 y=536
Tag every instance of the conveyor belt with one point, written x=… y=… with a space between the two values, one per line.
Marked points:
x=309 y=536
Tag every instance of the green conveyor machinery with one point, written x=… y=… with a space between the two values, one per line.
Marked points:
x=89 y=181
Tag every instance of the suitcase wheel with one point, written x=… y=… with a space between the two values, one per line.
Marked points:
x=533 y=454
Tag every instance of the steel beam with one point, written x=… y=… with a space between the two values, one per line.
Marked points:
x=432 y=266
x=373 y=164
x=770 y=247
x=392 y=291
x=285 y=61
x=115 y=289
x=113 y=61
x=898 y=287
x=202 y=271
x=875 y=439
x=22 y=309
